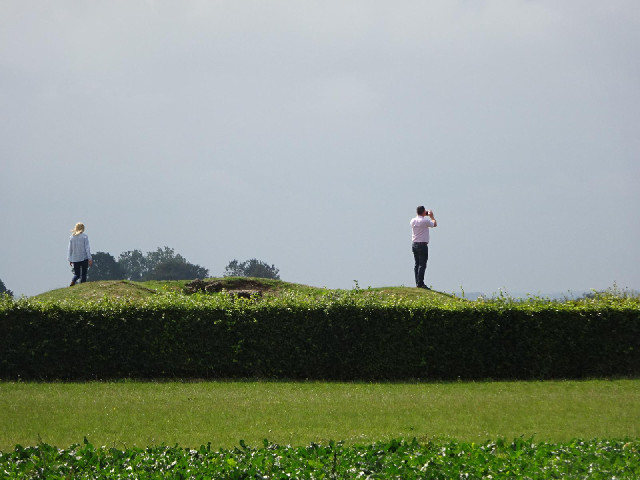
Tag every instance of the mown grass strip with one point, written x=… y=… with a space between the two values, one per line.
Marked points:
x=190 y=414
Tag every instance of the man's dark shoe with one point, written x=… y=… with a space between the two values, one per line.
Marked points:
x=424 y=287
x=72 y=284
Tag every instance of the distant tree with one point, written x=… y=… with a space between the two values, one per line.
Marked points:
x=105 y=267
x=5 y=290
x=233 y=269
x=161 y=255
x=133 y=264
x=161 y=264
x=177 y=269
x=251 y=268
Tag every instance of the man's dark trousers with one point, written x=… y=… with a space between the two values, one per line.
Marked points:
x=421 y=255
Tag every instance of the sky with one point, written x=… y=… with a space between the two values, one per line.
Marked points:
x=305 y=134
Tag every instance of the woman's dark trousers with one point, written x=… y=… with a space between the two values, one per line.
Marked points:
x=80 y=271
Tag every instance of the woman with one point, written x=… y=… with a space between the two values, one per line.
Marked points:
x=79 y=253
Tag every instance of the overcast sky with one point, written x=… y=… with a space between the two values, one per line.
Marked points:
x=305 y=133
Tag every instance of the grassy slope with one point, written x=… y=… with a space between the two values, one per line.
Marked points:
x=140 y=290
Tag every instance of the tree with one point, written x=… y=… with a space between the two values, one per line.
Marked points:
x=105 y=267
x=161 y=255
x=161 y=264
x=133 y=265
x=177 y=269
x=251 y=268
x=5 y=290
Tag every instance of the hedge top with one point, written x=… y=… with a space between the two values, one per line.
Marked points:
x=157 y=294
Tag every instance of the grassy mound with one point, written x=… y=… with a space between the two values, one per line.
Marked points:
x=125 y=289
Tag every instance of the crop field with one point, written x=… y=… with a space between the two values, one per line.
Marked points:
x=173 y=427
x=396 y=459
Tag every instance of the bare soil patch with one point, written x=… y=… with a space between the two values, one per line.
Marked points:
x=239 y=287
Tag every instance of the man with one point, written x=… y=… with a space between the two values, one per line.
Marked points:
x=420 y=226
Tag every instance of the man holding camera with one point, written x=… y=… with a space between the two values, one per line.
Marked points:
x=420 y=226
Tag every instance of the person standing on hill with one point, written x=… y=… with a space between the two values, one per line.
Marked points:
x=420 y=225
x=79 y=254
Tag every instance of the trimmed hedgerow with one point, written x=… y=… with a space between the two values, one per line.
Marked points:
x=347 y=336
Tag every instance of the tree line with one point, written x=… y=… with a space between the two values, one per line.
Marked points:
x=161 y=264
x=165 y=264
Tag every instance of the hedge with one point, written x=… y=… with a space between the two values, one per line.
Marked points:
x=342 y=338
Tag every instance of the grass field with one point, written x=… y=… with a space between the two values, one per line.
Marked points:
x=223 y=413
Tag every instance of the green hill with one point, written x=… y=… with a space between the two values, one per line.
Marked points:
x=125 y=289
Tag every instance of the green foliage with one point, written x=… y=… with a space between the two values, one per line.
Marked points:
x=161 y=264
x=104 y=267
x=251 y=268
x=611 y=292
x=177 y=269
x=160 y=256
x=342 y=335
x=520 y=458
x=4 y=290
x=134 y=265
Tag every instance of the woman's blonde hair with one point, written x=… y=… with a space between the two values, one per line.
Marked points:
x=78 y=229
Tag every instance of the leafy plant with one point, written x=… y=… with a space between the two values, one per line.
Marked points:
x=520 y=458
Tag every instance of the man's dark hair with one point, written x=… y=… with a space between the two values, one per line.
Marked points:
x=420 y=210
